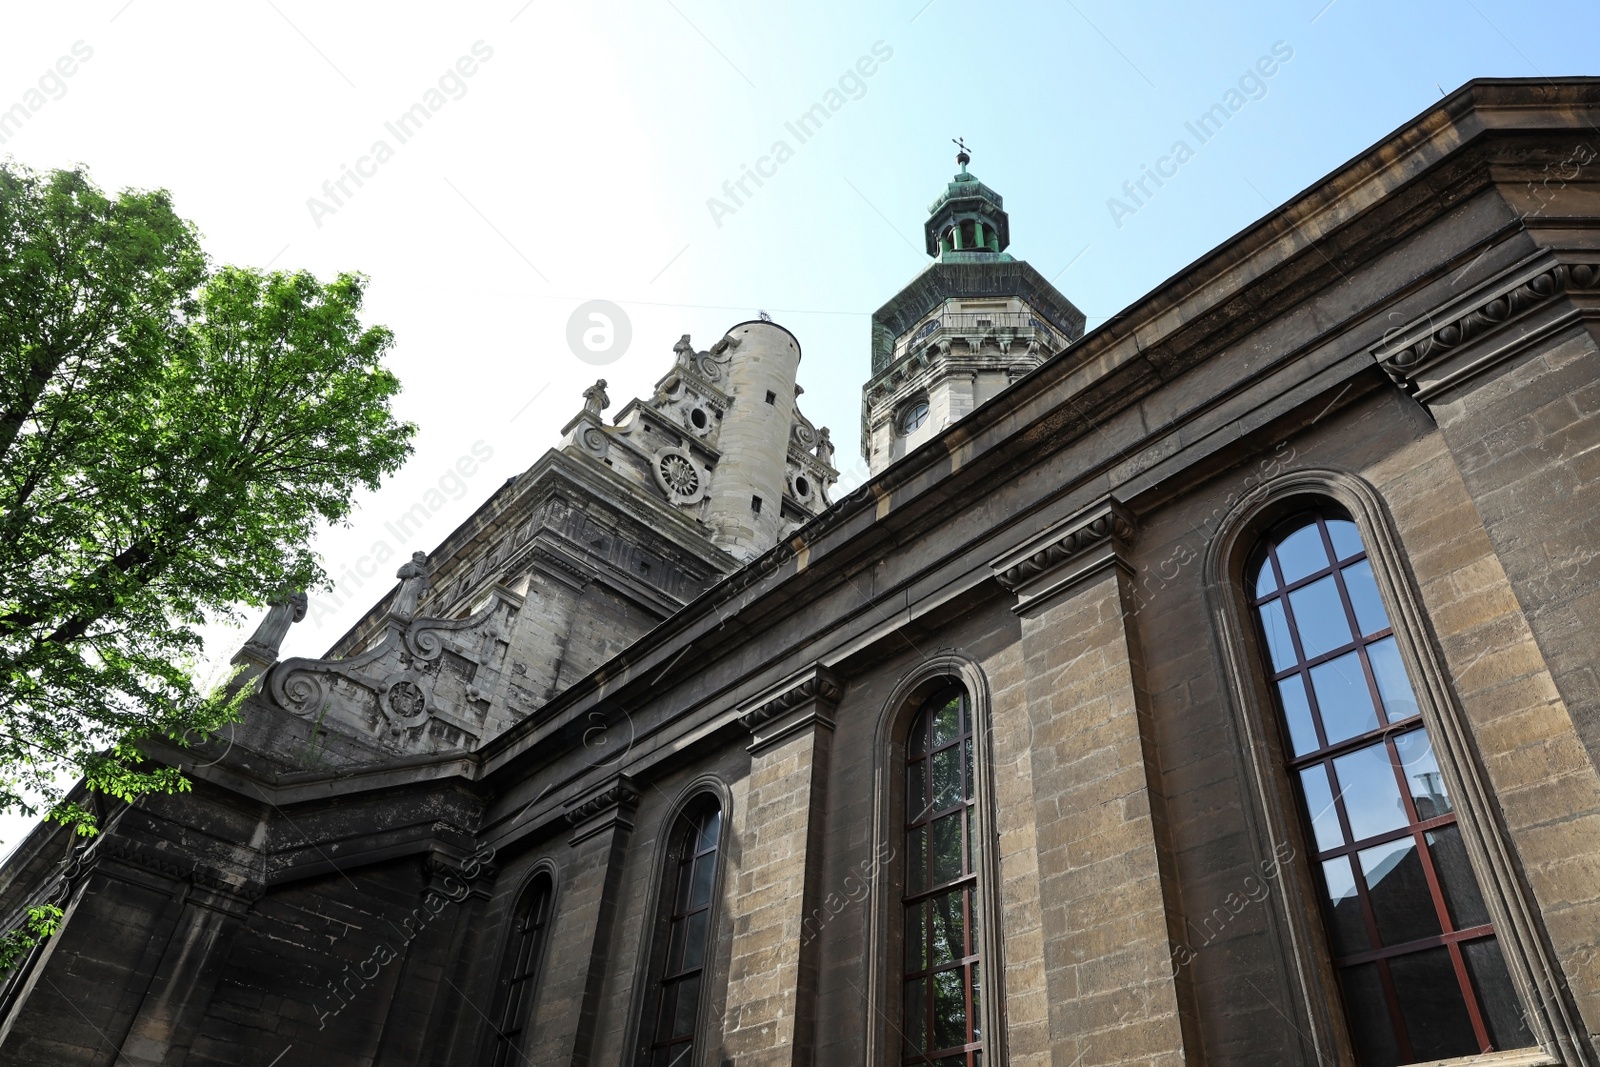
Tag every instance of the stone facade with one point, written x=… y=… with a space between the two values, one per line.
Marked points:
x=1414 y=343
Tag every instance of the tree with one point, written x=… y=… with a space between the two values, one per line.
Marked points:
x=171 y=436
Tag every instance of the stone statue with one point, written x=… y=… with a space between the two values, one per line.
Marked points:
x=824 y=446
x=595 y=399
x=282 y=612
x=413 y=581
x=685 y=351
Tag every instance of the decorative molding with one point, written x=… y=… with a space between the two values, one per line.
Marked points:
x=1425 y=356
x=1051 y=563
x=612 y=805
x=804 y=699
x=163 y=865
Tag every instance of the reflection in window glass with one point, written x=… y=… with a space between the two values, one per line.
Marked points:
x=1370 y=794
x=1319 y=617
x=1319 y=802
x=673 y=1005
x=1390 y=674
x=1418 y=961
x=1343 y=697
x=1364 y=598
x=1297 y=711
x=942 y=1006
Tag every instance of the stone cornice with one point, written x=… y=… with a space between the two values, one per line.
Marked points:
x=803 y=699
x=1464 y=338
x=1051 y=563
x=609 y=806
x=162 y=865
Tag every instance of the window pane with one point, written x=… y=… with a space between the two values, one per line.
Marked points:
x=949 y=1009
x=916 y=791
x=972 y=836
x=1367 y=787
x=710 y=828
x=917 y=860
x=947 y=848
x=1319 y=613
x=1345 y=537
x=915 y=1023
x=1430 y=1003
x=946 y=779
x=1393 y=685
x=947 y=723
x=1276 y=627
x=1297 y=712
x=949 y=928
x=1502 y=1008
x=1450 y=862
x=1266 y=581
x=1368 y=1011
x=917 y=743
x=675 y=942
x=705 y=868
x=1421 y=772
x=1319 y=803
x=669 y=998
x=1346 y=928
x=1343 y=698
x=688 y=1003
x=1399 y=892
x=694 y=952
x=1364 y=598
x=916 y=936
x=977 y=1004
x=1301 y=553
x=970 y=779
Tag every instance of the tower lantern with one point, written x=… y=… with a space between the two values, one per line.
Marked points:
x=970 y=324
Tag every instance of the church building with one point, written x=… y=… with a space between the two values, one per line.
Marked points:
x=1220 y=686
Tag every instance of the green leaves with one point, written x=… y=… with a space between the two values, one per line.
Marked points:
x=171 y=437
x=40 y=923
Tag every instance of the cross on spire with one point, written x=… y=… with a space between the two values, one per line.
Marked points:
x=964 y=156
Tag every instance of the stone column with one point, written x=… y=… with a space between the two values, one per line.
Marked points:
x=772 y=975
x=1107 y=948
x=563 y=1028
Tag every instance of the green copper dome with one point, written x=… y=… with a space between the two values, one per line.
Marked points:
x=968 y=222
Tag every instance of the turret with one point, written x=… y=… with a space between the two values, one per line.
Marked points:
x=744 y=507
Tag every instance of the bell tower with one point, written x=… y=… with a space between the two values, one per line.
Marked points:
x=970 y=324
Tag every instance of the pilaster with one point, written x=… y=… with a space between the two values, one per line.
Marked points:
x=1112 y=994
x=771 y=1017
x=565 y=1019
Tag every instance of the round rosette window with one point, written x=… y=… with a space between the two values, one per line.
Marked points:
x=679 y=476
x=801 y=486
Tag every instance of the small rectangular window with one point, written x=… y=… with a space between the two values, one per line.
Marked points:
x=755 y=504
x=772 y=398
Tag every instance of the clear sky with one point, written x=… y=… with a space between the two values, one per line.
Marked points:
x=573 y=148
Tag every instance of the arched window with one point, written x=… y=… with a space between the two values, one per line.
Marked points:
x=518 y=971
x=1413 y=945
x=682 y=935
x=943 y=1022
